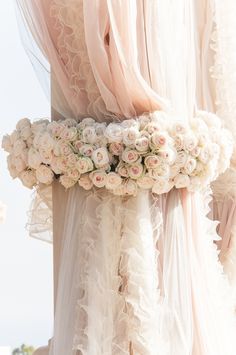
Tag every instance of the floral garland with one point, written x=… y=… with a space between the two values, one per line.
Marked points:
x=154 y=151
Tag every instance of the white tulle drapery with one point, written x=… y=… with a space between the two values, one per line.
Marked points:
x=223 y=72
x=137 y=275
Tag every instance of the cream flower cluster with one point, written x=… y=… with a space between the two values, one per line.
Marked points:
x=154 y=151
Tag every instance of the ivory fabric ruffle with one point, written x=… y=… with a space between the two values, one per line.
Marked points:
x=135 y=279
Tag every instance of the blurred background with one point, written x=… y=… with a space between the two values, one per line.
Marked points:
x=26 y=299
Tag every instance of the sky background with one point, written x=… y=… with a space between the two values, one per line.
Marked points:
x=26 y=306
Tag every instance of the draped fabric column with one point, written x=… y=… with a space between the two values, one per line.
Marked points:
x=137 y=275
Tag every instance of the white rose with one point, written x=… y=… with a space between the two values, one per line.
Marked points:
x=114 y=133
x=86 y=150
x=28 y=178
x=39 y=126
x=181 y=181
x=198 y=125
x=100 y=129
x=181 y=158
x=130 y=156
x=84 y=165
x=210 y=119
x=179 y=128
x=69 y=134
x=13 y=172
x=99 y=178
x=24 y=156
x=168 y=155
x=189 y=142
x=152 y=127
x=77 y=145
x=85 y=182
x=161 y=186
x=67 y=181
x=161 y=118
x=131 y=123
x=19 y=164
x=100 y=157
x=189 y=166
x=34 y=158
x=122 y=169
x=130 y=187
x=113 y=181
x=62 y=148
x=130 y=135
x=174 y=170
x=24 y=122
x=135 y=170
x=145 y=182
x=56 y=129
x=46 y=155
x=179 y=142
x=18 y=147
x=152 y=161
x=26 y=133
x=44 y=174
x=70 y=122
x=72 y=160
x=142 y=144
x=89 y=135
x=36 y=140
x=55 y=165
x=203 y=139
x=88 y=121
x=159 y=140
x=30 y=141
x=15 y=135
x=62 y=164
x=205 y=155
x=46 y=141
x=163 y=170
x=195 y=152
x=116 y=148
x=73 y=174
x=143 y=121
x=6 y=143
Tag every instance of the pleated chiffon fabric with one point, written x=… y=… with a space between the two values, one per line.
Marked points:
x=138 y=275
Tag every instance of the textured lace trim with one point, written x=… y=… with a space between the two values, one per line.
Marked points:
x=71 y=44
x=127 y=278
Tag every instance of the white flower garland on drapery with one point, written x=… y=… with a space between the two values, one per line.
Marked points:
x=153 y=151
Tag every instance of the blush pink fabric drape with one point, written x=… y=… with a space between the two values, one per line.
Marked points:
x=159 y=287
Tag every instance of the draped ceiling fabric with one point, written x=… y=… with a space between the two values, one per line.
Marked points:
x=139 y=275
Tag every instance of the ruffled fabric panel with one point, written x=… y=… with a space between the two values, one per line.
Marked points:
x=135 y=279
x=224 y=189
